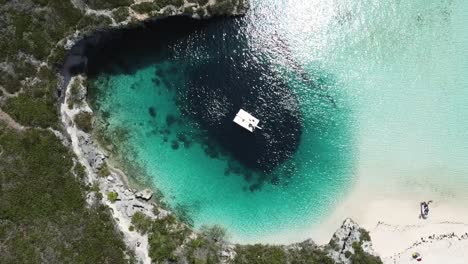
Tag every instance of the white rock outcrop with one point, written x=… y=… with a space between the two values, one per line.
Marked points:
x=343 y=239
x=146 y=194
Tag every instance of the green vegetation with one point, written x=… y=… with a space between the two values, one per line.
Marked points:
x=333 y=244
x=94 y=187
x=107 y=4
x=145 y=7
x=104 y=170
x=112 y=196
x=120 y=14
x=223 y=7
x=364 y=235
x=259 y=254
x=29 y=21
x=167 y=234
x=84 y=121
x=200 y=2
x=361 y=257
x=74 y=98
x=141 y=222
x=31 y=111
x=35 y=32
x=92 y=22
x=164 y=237
x=207 y=246
x=57 y=56
x=44 y=217
x=43 y=213
x=149 y=7
x=10 y=83
x=80 y=171
x=305 y=252
x=163 y=3
x=36 y=105
x=214 y=233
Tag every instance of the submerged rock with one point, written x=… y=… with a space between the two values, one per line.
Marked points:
x=152 y=111
x=170 y=120
x=175 y=145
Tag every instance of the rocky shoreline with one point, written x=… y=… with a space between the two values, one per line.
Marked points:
x=91 y=155
x=129 y=201
x=125 y=201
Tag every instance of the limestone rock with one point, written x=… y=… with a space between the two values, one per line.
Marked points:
x=343 y=239
x=146 y=194
x=90 y=150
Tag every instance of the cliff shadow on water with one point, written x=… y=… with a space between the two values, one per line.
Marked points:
x=213 y=71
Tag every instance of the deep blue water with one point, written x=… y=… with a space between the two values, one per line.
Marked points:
x=343 y=90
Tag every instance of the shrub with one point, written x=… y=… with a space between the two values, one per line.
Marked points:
x=74 y=97
x=364 y=235
x=145 y=7
x=164 y=237
x=31 y=111
x=93 y=22
x=10 y=83
x=80 y=170
x=361 y=257
x=112 y=196
x=333 y=244
x=94 y=187
x=221 y=7
x=120 y=14
x=214 y=233
x=107 y=4
x=177 y=3
x=84 y=121
x=43 y=209
x=207 y=246
x=200 y=2
x=141 y=222
x=258 y=254
x=104 y=170
x=57 y=57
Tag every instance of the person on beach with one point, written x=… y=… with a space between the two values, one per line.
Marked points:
x=425 y=209
x=417 y=256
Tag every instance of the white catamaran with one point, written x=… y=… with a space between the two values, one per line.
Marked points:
x=246 y=120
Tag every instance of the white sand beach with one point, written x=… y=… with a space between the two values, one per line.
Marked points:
x=391 y=214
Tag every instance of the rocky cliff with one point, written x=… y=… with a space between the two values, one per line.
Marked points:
x=36 y=37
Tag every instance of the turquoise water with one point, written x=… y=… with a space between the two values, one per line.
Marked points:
x=366 y=89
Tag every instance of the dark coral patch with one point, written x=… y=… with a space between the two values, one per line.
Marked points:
x=152 y=111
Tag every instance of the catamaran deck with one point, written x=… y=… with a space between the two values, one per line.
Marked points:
x=246 y=120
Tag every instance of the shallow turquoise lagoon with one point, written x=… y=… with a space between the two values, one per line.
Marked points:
x=340 y=87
